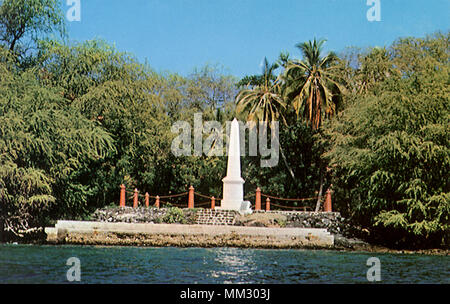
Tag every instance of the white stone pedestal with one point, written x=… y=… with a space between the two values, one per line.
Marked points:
x=233 y=193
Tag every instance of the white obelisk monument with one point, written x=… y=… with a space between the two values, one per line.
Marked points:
x=233 y=183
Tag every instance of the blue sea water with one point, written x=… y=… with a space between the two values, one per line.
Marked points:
x=136 y=265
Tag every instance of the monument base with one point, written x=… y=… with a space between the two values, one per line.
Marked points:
x=243 y=207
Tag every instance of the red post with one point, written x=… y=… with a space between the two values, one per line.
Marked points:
x=147 y=199
x=258 y=199
x=135 y=199
x=213 y=203
x=191 y=198
x=157 y=201
x=268 y=204
x=327 y=204
x=122 y=195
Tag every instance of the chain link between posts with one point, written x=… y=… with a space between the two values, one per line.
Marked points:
x=249 y=196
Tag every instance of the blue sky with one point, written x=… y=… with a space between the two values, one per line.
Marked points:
x=179 y=35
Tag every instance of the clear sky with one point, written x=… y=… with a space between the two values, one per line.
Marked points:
x=179 y=35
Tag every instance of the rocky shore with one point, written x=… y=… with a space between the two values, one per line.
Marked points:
x=205 y=241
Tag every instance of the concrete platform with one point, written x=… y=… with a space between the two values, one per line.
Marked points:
x=65 y=231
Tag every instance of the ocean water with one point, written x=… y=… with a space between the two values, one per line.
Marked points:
x=139 y=265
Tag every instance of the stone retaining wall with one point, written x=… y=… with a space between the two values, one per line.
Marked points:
x=139 y=215
x=216 y=217
x=332 y=221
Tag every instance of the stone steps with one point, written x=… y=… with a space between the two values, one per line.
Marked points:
x=216 y=217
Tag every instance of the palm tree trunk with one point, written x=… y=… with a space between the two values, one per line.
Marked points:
x=283 y=156
x=317 y=113
x=2 y=230
x=286 y=163
x=320 y=192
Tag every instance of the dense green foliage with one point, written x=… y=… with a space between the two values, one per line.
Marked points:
x=310 y=83
x=24 y=22
x=174 y=215
x=47 y=150
x=86 y=118
x=390 y=148
x=78 y=120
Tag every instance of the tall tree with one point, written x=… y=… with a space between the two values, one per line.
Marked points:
x=24 y=22
x=80 y=67
x=310 y=83
x=210 y=85
x=47 y=151
x=390 y=148
x=264 y=102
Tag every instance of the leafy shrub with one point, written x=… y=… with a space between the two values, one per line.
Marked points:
x=174 y=215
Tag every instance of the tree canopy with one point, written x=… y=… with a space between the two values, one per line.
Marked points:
x=390 y=148
x=24 y=22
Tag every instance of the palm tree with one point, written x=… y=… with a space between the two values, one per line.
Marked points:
x=264 y=100
x=310 y=83
x=311 y=86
